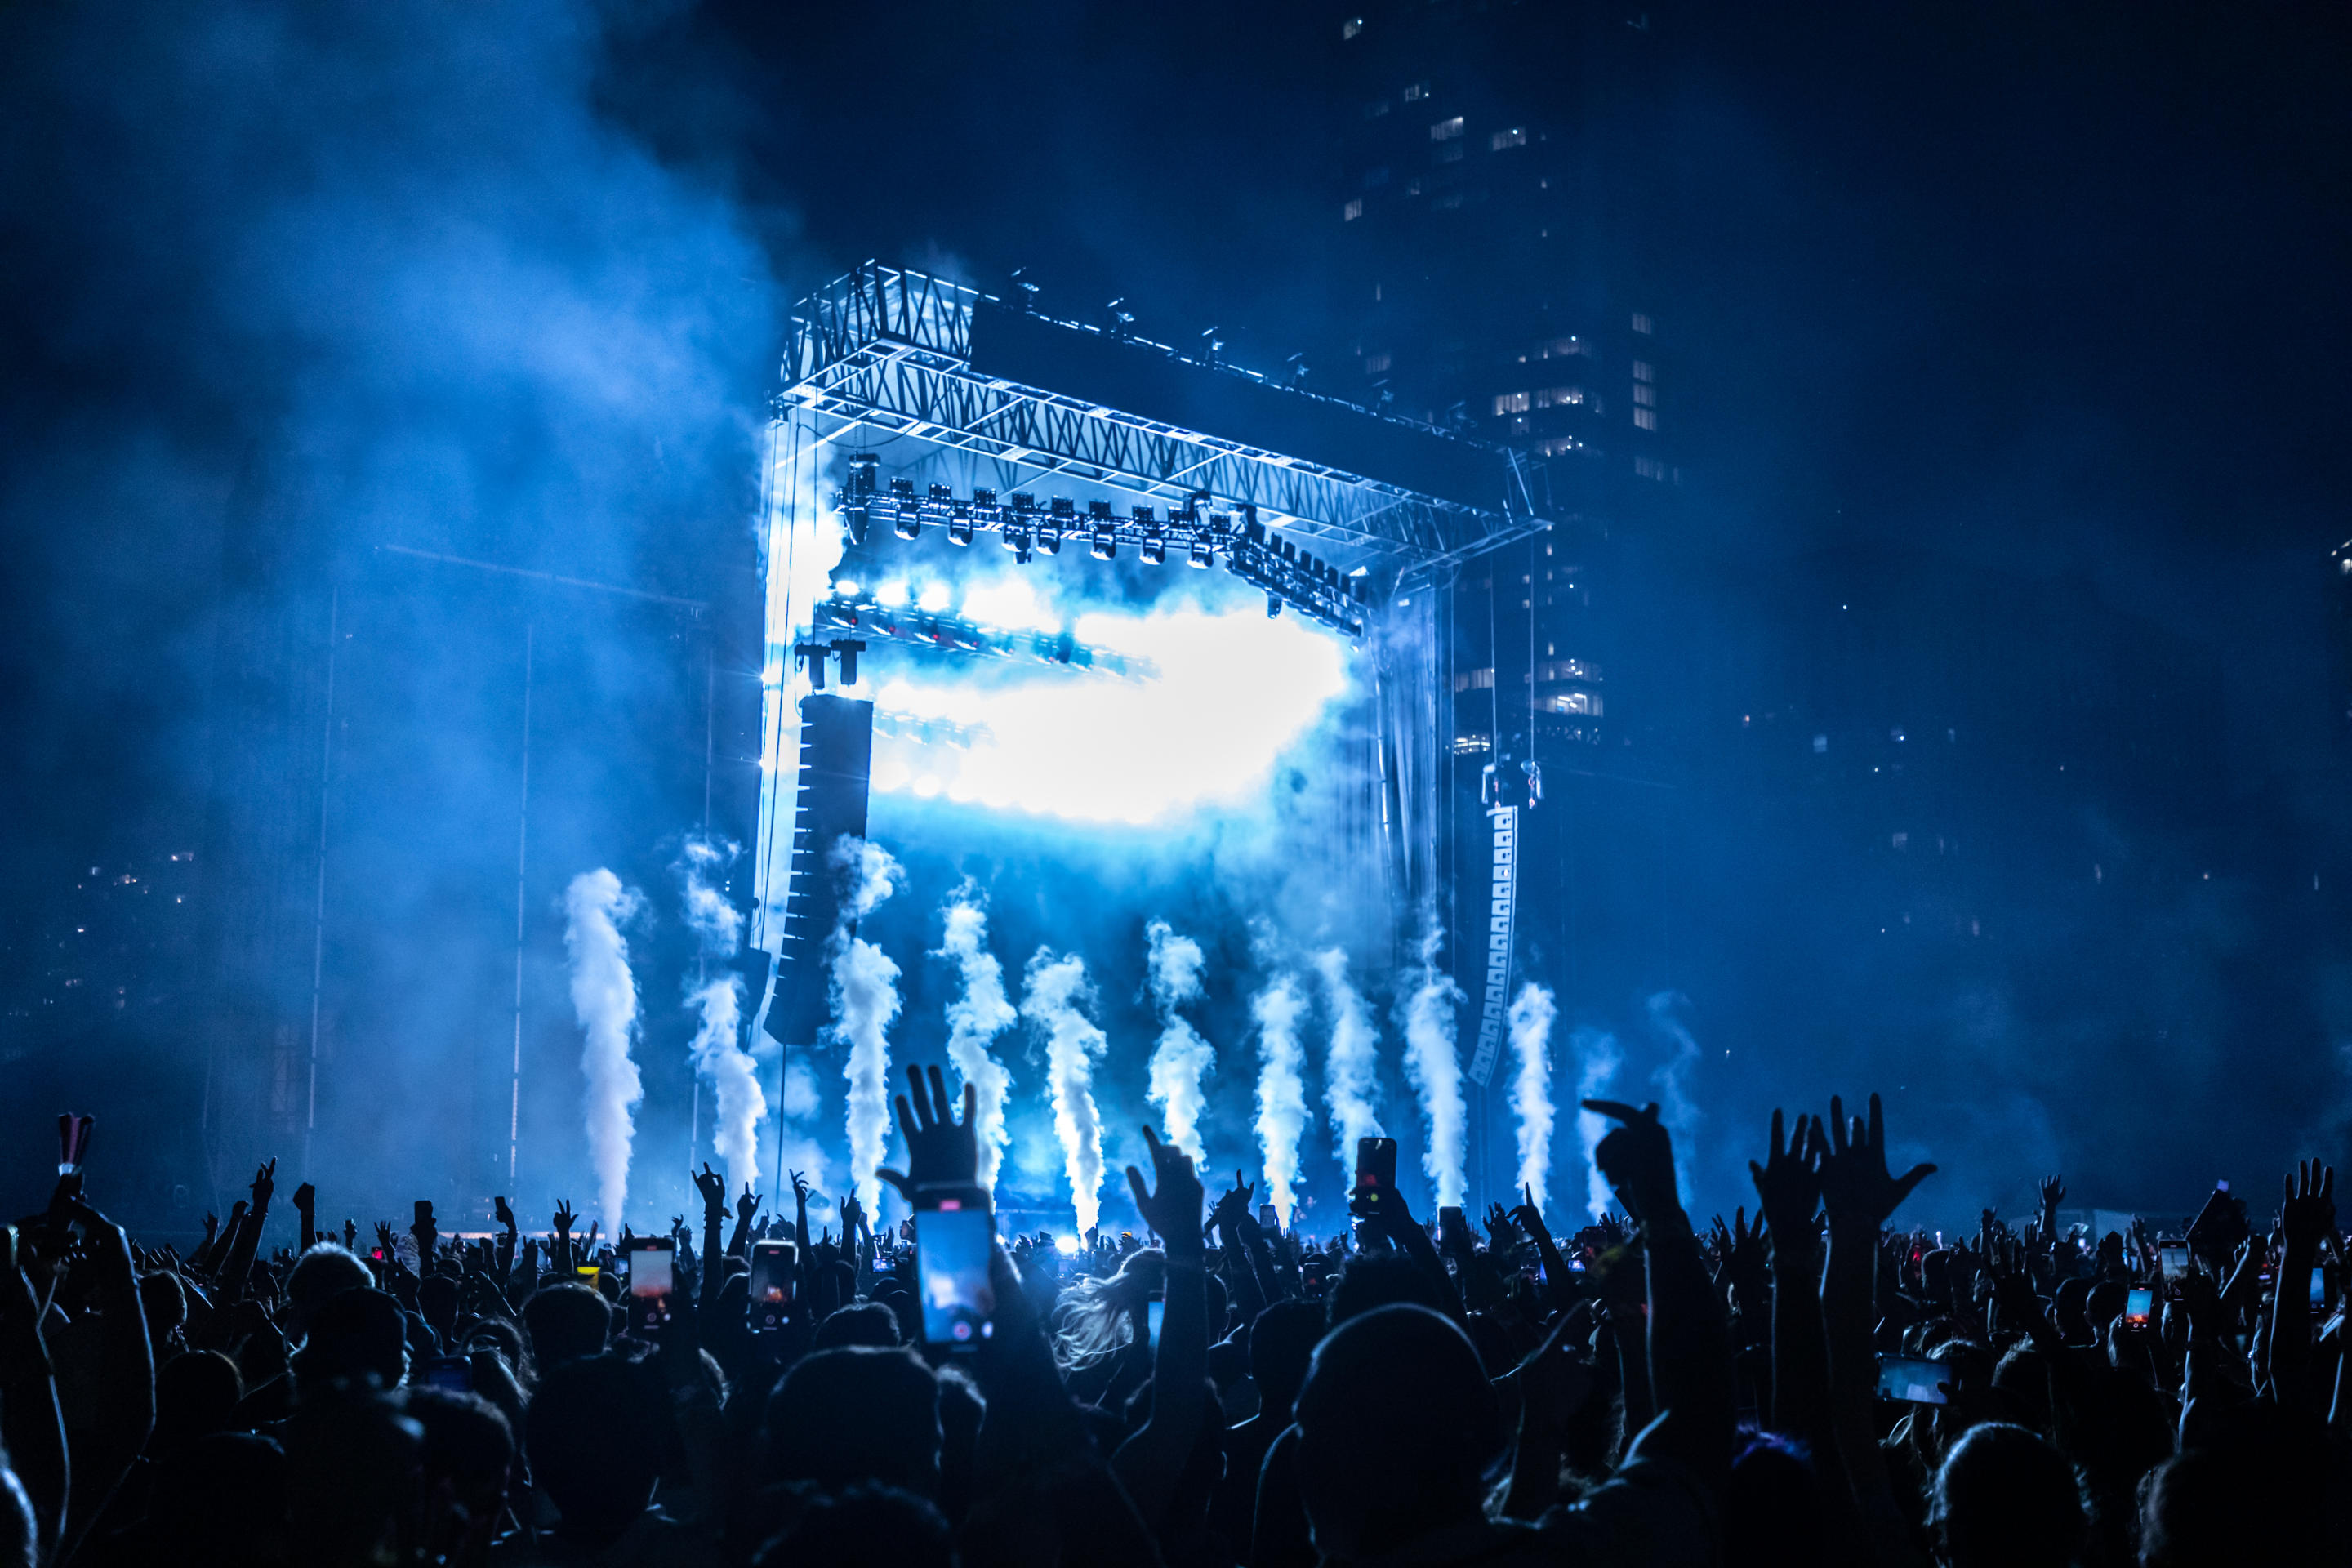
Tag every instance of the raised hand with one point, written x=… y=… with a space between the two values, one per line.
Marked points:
x=306 y=1200
x=2309 y=1213
x=1173 y=1207
x=1789 y=1181
x=563 y=1217
x=713 y=1188
x=853 y=1218
x=265 y=1181
x=941 y=1151
x=1233 y=1206
x=503 y=1214
x=212 y=1225
x=2053 y=1193
x=350 y=1236
x=1530 y=1219
x=384 y=1238
x=1500 y=1234
x=800 y=1189
x=1638 y=1158
x=746 y=1205
x=1855 y=1181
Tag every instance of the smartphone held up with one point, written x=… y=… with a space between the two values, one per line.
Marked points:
x=955 y=1238
x=649 y=1278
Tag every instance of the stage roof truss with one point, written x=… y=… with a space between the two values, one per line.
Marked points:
x=886 y=352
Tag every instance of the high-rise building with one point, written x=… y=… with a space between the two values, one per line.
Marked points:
x=1498 y=204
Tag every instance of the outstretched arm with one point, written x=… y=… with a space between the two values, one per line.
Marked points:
x=31 y=1422
x=233 y=1273
x=1789 y=1187
x=2306 y=1219
x=1690 y=1352
x=126 y=1405
x=1861 y=1196
x=1150 y=1464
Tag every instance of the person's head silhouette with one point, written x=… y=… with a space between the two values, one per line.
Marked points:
x=1396 y=1427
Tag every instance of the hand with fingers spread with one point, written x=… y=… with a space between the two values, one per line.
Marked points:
x=1789 y=1183
x=2308 y=1215
x=1172 y=1207
x=384 y=1238
x=1638 y=1158
x=563 y=1217
x=1501 y=1235
x=942 y=1149
x=1856 y=1185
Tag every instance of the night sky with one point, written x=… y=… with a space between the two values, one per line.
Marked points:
x=2055 y=289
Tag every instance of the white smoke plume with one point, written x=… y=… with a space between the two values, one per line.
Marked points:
x=1350 y=1085
x=865 y=1006
x=1530 y=1017
x=1597 y=1061
x=801 y=1151
x=974 y=1019
x=1281 y=1089
x=604 y=997
x=1671 y=1080
x=1183 y=1061
x=1051 y=997
x=1435 y=1070
x=718 y=1053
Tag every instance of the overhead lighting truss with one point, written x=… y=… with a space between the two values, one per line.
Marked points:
x=1198 y=535
x=883 y=350
x=867 y=619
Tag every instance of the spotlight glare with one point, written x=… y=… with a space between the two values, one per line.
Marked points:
x=1067 y=1245
x=935 y=597
x=846 y=587
x=891 y=594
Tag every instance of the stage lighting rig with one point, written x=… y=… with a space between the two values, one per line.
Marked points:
x=811 y=656
x=944 y=633
x=1289 y=575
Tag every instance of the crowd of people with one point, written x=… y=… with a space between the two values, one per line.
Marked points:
x=1640 y=1391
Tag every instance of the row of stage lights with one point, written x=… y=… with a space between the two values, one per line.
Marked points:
x=1289 y=575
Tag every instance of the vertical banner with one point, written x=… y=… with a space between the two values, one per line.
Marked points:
x=1502 y=910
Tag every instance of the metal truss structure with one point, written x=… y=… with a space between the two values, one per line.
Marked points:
x=886 y=351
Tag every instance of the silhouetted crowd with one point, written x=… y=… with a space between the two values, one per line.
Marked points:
x=1817 y=1387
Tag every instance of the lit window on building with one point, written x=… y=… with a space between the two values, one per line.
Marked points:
x=1646 y=418
x=1375 y=364
x=1644 y=395
x=1510 y=403
x=1565 y=669
x=1446 y=130
x=1416 y=92
x=1353 y=211
x=1352 y=27
x=1649 y=468
x=1820 y=744
x=1474 y=680
x=1645 y=371
x=1502 y=138
x=1642 y=324
x=1559 y=397
x=1556 y=444
x=1585 y=702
